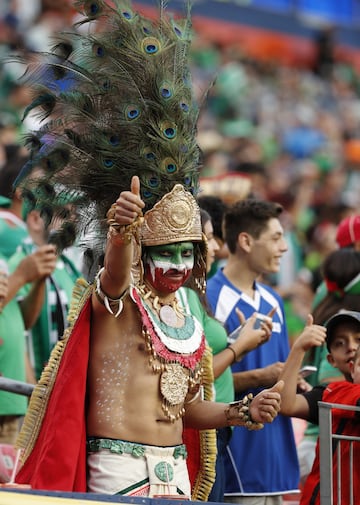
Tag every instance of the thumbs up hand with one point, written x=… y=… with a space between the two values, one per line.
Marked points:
x=129 y=205
x=313 y=335
x=266 y=405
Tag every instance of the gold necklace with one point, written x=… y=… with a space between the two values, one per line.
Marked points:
x=169 y=312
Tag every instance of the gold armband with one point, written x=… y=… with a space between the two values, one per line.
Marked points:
x=238 y=414
x=121 y=234
x=111 y=304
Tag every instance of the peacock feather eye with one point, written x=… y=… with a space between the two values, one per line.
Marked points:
x=169 y=165
x=187 y=180
x=150 y=45
x=128 y=15
x=166 y=90
x=114 y=140
x=187 y=80
x=56 y=159
x=154 y=181
x=169 y=131
x=92 y=8
x=146 y=194
x=108 y=163
x=132 y=112
x=184 y=106
x=98 y=50
x=177 y=31
x=106 y=85
x=148 y=154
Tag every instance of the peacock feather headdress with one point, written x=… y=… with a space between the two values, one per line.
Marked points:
x=112 y=103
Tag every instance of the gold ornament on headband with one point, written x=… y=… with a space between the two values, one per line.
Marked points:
x=175 y=218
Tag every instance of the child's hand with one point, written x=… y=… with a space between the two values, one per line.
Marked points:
x=313 y=335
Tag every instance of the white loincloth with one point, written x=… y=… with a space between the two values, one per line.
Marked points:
x=156 y=472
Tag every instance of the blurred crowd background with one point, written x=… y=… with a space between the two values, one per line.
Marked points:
x=279 y=132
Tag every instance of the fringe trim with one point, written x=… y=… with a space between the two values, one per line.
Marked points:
x=41 y=394
x=208 y=449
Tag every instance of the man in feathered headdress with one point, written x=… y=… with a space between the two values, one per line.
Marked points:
x=126 y=391
x=109 y=412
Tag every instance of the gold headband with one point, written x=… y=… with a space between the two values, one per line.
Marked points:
x=175 y=218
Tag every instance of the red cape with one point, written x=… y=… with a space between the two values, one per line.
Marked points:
x=57 y=460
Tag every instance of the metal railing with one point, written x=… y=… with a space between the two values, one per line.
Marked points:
x=327 y=439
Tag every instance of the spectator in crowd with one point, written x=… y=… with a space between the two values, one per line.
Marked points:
x=256 y=244
x=342 y=342
x=33 y=268
x=215 y=207
x=340 y=271
x=225 y=352
x=12 y=226
x=47 y=319
x=347 y=235
x=348 y=232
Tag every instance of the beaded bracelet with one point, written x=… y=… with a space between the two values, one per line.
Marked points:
x=238 y=414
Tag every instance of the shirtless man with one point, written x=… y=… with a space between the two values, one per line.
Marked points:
x=153 y=426
x=144 y=362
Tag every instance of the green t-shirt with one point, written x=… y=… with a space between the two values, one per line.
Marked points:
x=12 y=231
x=52 y=320
x=216 y=337
x=12 y=357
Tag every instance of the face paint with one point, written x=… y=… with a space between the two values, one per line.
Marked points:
x=167 y=267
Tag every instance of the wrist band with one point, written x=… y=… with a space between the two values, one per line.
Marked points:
x=111 y=304
x=238 y=414
x=121 y=234
x=234 y=353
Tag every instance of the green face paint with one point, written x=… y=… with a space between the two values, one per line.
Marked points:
x=167 y=267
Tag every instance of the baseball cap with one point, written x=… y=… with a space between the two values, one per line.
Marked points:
x=348 y=231
x=340 y=317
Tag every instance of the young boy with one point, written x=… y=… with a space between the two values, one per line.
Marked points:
x=342 y=340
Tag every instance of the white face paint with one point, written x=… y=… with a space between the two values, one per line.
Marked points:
x=165 y=266
x=164 y=263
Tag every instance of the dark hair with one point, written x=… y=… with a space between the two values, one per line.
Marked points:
x=15 y=160
x=339 y=267
x=249 y=215
x=205 y=217
x=216 y=208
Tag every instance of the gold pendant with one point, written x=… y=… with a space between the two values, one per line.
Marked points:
x=174 y=384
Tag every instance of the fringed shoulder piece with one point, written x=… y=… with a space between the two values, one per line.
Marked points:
x=206 y=475
x=41 y=394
